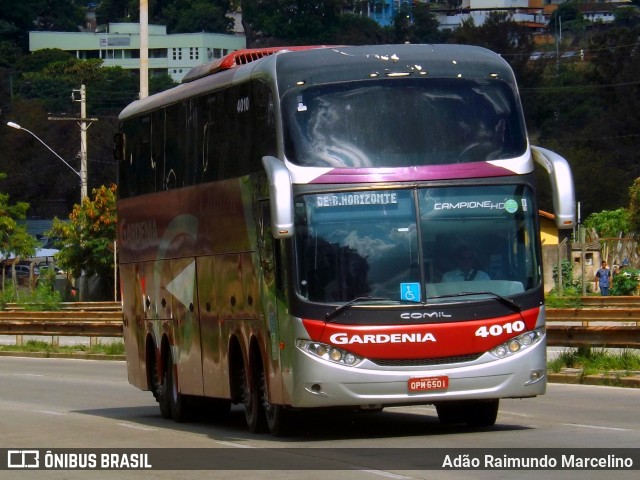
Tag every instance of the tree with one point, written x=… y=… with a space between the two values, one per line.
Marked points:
x=609 y=223
x=86 y=241
x=501 y=34
x=184 y=16
x=415 y=24
x=58 y=15
x=354 y=29
x=40 y=59
x=297 y=22
x=566 y=14
x=634 y=206
x=110 y=11
x=14 y=238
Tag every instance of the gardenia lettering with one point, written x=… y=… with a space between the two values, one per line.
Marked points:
x=345 y=339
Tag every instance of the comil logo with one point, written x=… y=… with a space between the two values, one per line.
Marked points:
x=23 y=459
x=423 y=315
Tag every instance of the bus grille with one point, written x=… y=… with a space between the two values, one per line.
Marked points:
x=424 y=362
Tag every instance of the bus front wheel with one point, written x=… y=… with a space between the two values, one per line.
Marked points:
x=483 y=413
x=277 y=417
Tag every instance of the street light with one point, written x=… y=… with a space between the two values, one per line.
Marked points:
x=83 y=179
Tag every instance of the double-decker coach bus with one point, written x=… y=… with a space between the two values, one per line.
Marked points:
x=288 y=219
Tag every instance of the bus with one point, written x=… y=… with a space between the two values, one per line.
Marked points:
x=287 y=218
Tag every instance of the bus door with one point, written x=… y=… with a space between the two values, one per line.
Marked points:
x=272 y=310
x=210 y=295
x=178 y=292
x=133 y=310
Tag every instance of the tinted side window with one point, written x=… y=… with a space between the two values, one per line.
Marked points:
x=175 y=146
x=136 y=166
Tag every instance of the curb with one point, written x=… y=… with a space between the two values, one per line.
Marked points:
x=575 y=376
x=77 y=356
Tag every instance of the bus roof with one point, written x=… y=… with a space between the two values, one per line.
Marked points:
x=237 y=58
x=309 y=65
x=340 y=64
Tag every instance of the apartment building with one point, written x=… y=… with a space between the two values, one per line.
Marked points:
x=119 y=46
x=533 y=13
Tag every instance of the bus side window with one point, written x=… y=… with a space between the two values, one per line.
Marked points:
x=209 y=164
x=176 y=120
x=264 y=128
x=157 y=150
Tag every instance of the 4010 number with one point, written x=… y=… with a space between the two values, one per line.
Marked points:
x=497 y=330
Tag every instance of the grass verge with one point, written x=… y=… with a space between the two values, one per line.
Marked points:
x=612 y=364
x=115 y=348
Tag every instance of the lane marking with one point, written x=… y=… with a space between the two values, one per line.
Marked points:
x=27 y=375
x=596 y=427
x=385 y=474
x=50 y=412
x=137 y=427
x=234 y=444
x=514 y=414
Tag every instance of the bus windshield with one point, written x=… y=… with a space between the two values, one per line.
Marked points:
x=418 y=245
x=402 y=122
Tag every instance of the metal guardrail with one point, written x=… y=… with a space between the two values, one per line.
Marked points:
x=607 y=322
x=579 y=336
x=602 y=322
x=76 y=306
x=611 y=301
x=86 y=319
x=587 y=316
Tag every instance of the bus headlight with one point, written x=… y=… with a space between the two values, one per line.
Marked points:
x=518 y=343
x=328 y=352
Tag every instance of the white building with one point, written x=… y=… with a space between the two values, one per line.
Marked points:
x=120 y=46
x=529 y=12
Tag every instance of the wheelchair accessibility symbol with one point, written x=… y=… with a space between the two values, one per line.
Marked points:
x=410 y=292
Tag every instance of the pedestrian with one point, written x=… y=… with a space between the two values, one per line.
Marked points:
x=604 y=279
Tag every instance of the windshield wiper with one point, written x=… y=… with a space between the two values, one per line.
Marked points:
x=504 y=300
x=345 y=306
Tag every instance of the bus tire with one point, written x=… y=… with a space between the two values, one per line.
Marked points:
x=450 y=412
x=253 y=411
x=178 y=403
x=276 y=416
x=482 y=413
x=160 y=392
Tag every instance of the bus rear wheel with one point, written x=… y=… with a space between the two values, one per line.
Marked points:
x=178 y=403
x=160 y=391
x=253 y=412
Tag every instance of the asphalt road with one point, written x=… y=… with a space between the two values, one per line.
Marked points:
x=75 y=404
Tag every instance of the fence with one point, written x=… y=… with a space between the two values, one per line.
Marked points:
x=86 y=319
x=603 y=322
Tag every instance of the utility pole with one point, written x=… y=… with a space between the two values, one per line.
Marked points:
x=83 y=136
x=83 y=141
x=144 y=48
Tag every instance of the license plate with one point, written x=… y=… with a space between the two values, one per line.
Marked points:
x=426 y=384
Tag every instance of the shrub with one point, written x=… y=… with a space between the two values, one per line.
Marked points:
x=626 y=282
